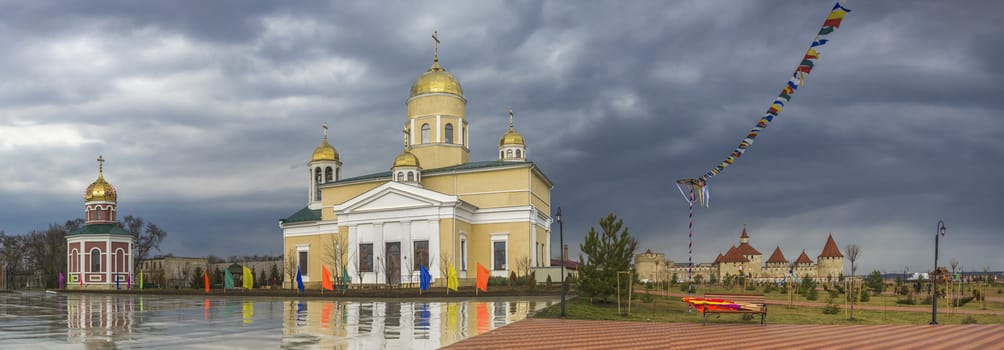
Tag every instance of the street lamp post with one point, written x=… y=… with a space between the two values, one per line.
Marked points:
x=934 y=296
x=561 y=253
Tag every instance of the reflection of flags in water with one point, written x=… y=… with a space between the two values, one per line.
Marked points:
x=451 y=315
x=482 y=281
x=483 y=318
x=247 y=311
x=299 y=280
x=60 y=280
x=424 y=315
x=424 y=277
x=326 y=279
x=248 y=277
x=228 y=279
x=326 y=314
x=205 y=308
x=451 y=280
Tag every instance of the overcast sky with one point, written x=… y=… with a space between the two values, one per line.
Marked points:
x=208 y=111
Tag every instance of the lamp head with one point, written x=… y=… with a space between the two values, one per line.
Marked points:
x=557 y=214
x=941 y=228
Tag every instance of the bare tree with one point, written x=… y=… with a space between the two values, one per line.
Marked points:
x=852 y=254
x=290 y=267
x=148 y=238
x=334 y=251
x=445 y=261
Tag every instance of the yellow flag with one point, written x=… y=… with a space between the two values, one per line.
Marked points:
x=248 y=278
x=451 y=280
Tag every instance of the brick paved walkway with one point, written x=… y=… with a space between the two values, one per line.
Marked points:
x=578 y=334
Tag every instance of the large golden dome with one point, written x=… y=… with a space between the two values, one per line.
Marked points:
x=100 y=190
x=406 y=159
x=324 y=151
x=436 y=80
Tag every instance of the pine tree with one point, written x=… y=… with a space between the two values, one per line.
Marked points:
x=607 y=253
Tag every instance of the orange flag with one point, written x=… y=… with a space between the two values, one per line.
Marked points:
x=206 y=278
x=326 y=282
x=482 y=282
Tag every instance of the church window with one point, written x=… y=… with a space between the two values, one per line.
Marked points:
x=421 y=254
x=463 y=134
x=498 y=255
x=317 y=175
x=425 y=133
x=95 y=260
x=328 y=174
x=366 y=257
x=501 y=154
x=508 y=153
x=101 y=214
x=338 y=173
x=463 y=254
x=400 y=176
x=411 y=176
x=449 y=133
x=302 y=261
x=518 y=154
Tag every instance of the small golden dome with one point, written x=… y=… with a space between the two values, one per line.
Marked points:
x=436 y=80
x=324 y=151
x=100 y=190
x=406 y=159
x=511 y=138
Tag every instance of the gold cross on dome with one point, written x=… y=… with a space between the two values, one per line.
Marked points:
x=101 y=163
x=325 y=126
x=435 y=46
x=510 y=118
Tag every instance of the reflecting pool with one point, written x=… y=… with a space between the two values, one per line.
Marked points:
x=100 y=321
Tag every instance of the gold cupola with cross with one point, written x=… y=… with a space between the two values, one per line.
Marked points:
x=325 y=166
x=512 y=148
x=436 y=110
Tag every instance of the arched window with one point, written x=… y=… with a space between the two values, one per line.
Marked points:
x=338 y=173
x=425 y=133
x=101 y=213
x=317 y=175
x=501 y=154
x=411 y=176
x=328 y=175
x=463 y=135
x=508 y=153
x=449 y=133
x=400 y=176
x=95 y=260
x=518 y=154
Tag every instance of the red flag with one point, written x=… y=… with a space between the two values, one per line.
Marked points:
x=206 y=279
x=482 y=281
x=326 y=282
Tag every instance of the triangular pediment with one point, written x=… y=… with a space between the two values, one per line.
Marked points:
x=393 y=196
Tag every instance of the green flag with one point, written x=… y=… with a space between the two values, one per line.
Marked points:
x=345 y=277
x=228 y=279
x=141 y=280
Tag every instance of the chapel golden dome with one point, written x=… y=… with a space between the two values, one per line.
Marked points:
x=511 y=137
x=436 y=80
x=406 y=159
x=324 y=151
x=100 y=190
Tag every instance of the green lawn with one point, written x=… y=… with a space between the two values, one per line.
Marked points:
x=663 y=309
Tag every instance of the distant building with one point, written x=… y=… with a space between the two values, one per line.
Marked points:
x=744 y=260
x=170 y=271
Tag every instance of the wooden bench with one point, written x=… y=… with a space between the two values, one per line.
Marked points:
x=756 y=299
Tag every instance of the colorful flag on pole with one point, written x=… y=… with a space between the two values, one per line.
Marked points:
x=248 y=279
x=141 y=280
x=116 y=282
x=80 y=279
x=60 y=280
x=345 y=277
x=451 y=279
x=326 y=281
x=424 y=277
x=299 y=280
x=128 y=281
x=228 y=279
x=205 y=280
x=483 y=274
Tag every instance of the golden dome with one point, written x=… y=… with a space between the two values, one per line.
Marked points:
x=511 y=138
x=406 y=159
x=100 y=190
x=436 y=80
x=324 y=151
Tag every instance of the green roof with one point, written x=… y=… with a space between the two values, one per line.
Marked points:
x=305 y=214
x=100 y=229
x=459 y=167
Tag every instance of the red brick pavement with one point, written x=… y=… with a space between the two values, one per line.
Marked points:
x=579 y=334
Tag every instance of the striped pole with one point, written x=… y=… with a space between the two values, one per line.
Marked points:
x=690 y=258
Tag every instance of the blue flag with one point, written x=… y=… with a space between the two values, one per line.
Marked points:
x=299 y=280
x=425 y=277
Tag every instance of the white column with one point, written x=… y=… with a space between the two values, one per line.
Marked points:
x=109 y=257
x=439 y=129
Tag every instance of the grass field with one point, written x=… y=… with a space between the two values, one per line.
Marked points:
x=662 y=309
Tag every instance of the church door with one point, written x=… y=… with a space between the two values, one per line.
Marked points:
x=393 y=263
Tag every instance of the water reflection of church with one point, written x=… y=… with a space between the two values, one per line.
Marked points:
x=94 y=319
x=416 y=324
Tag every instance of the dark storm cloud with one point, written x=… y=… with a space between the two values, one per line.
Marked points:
x=207 y=113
